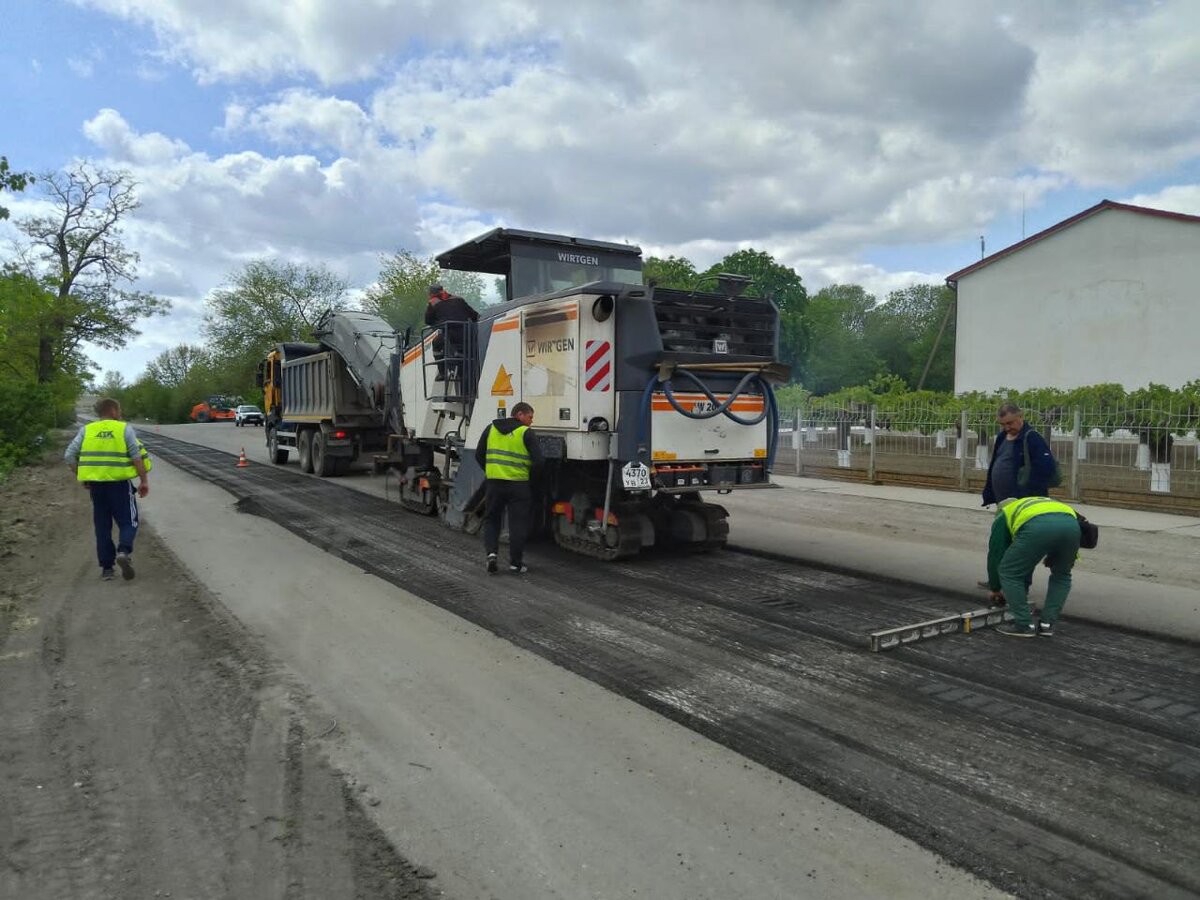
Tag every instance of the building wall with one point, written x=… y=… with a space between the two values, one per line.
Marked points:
x=1114 y=298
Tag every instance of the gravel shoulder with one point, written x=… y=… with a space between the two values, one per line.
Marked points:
x=150 y=747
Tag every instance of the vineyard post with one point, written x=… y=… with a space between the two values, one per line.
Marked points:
x=962 y=457
x=1076 y=446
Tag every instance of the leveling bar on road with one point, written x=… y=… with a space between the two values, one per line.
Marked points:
x=964 y=623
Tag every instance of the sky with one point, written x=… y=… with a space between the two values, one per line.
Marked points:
x=870 y=143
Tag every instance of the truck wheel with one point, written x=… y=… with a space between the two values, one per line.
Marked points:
x=279 y=455
x=323 y=464
x=304 y=444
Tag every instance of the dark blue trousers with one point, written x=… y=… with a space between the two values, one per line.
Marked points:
x=114 y=501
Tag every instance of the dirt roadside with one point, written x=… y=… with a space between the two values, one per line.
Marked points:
x=149 y=747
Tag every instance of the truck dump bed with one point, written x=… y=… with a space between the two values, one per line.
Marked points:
x=365 y=343
x=318 y=387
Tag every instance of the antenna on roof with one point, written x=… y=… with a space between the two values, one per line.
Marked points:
x=981 y=252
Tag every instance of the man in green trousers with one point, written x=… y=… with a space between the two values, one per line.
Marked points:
x=1025 y=532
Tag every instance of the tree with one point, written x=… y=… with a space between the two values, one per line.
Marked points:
x=12 y=181
x=113 y=384
x=267 y=302
x=838 y=355
x=902 y=333
x=80 y=253
x=402 y=291
x=672 y=272
x=171 y=367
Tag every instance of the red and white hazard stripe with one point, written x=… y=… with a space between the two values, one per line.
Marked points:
x=597 y=367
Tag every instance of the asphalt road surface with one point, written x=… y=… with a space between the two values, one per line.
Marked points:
x=1067 y=767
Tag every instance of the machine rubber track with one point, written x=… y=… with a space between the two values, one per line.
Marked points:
x=628 y=544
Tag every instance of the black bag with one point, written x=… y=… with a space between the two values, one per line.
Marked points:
x=1089 y=534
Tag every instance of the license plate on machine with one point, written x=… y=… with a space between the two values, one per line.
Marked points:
x=635 y=477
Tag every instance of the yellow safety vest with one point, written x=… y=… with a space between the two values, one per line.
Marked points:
x=507 y=456
x=103 y=455
x=1021 y=511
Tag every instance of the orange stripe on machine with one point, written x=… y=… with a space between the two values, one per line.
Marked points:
x=660 y=403
x=415 y=352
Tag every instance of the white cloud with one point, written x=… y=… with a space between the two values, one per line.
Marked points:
x=818 y=132
x=303 y=118
x=1181 y=199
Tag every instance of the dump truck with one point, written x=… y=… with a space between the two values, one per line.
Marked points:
x=324 y=401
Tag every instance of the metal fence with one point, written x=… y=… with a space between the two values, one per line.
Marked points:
x=1143 y=457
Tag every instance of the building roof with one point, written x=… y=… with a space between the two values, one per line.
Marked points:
x=1067 y=223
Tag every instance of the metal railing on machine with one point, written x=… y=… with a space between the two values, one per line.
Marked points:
x=1144 y=455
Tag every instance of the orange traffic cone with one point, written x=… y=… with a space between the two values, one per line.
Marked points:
x=242 y=463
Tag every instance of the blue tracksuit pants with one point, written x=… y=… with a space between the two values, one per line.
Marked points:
x=113 y=501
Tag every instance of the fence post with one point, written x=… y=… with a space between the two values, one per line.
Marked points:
x=871 y=456
x=1076 y=444
x=962 y=457
x=797 y=440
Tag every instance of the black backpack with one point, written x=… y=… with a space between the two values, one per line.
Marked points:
x=1089 y=534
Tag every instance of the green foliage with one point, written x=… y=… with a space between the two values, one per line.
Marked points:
x=12 y=181
x=264 y=303
x=402 y=292
x=672 y=272
x=28 y=408
x=1153 y=412
x=902 y=332
x=771 y=279
x=837 y=355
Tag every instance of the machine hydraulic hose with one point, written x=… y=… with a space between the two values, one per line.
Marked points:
x=752 y=381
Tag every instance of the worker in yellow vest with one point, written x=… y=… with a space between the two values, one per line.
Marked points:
x=106 y=455
x=1025 y=532
x=507 y=452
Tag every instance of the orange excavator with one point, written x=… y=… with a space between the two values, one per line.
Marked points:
x=217 y=408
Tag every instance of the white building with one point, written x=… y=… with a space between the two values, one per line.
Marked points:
x=1109 y=295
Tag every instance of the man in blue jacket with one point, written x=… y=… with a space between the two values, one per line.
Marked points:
x=1008 y=476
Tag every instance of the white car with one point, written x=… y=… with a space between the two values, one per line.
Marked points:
x=248 y=415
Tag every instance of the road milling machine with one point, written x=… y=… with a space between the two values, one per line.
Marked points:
x=645 y=398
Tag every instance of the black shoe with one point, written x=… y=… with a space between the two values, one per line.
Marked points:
x=107 y=574
x=518 y=569
x=126 y=566
x=1045 y=629
x=1012 y=629
x=492 y=564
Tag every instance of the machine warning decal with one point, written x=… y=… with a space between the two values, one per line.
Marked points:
x=502 y=386
x=597 y=372
x=564 y=414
